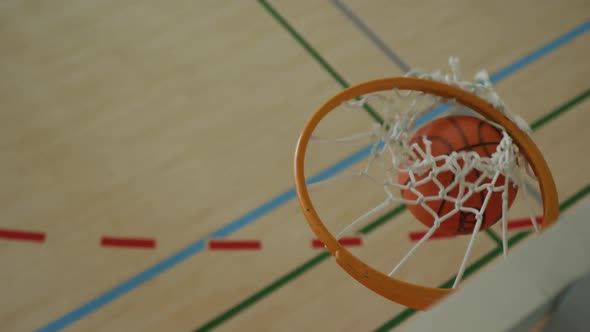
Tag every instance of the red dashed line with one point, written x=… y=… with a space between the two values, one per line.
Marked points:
x=234 y=245
x=127 y=242
x=345 y=242
x=131 y=242
x=523 y=223
x=512 y=225
x=148 y=243
x=11 y=234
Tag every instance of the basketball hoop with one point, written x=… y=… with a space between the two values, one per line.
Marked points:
x=516 y=157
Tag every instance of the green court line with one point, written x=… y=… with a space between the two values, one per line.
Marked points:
x=482 y=261
x=290 y=276
x=561 y=109
x=251 y=300
x=575 y=198
x=264 y=292
x=384 y=218
x=381 y=220
x=494 y=236
x=407 y=313
x=314 y=53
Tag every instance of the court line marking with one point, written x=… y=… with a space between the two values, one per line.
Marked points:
x=514 y=224
x=235 y=245
x=407 y=313
x=199 y=245
x=309 y=264
x=403 y=66
x=398 y=319
x=128 y=242
x=371 y=35
x=347 y=241
x=21 y=235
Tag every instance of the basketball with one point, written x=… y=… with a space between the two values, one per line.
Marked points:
x=457 y=133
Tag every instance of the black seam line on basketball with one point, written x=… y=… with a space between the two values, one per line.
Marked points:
x=480 y=138
x=482 y=199
x=494 y=237
x=490 y=233
x=487 y=258
x=432 y=138
x=444 y=201
x=472 y=146
x=267 y=290
x=437 y=138
x=405 y=184
x=449 y=150
x=444 y=141
x=455 y=124
x=314 y=54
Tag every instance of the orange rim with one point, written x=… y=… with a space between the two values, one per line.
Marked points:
x=408 y=294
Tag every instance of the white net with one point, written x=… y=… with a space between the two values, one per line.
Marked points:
x=459 y=188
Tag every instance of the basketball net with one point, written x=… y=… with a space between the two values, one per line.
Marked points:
x=392 y=152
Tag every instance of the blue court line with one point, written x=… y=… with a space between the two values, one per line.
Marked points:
x=521 y=63
x=199 y=245
x=289 y=194
x=371 y=35
x=442 y=108
x=534 y=56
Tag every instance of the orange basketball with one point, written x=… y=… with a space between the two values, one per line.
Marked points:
x=457 y=133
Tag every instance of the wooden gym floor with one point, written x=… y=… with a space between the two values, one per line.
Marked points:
x=176 y=122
